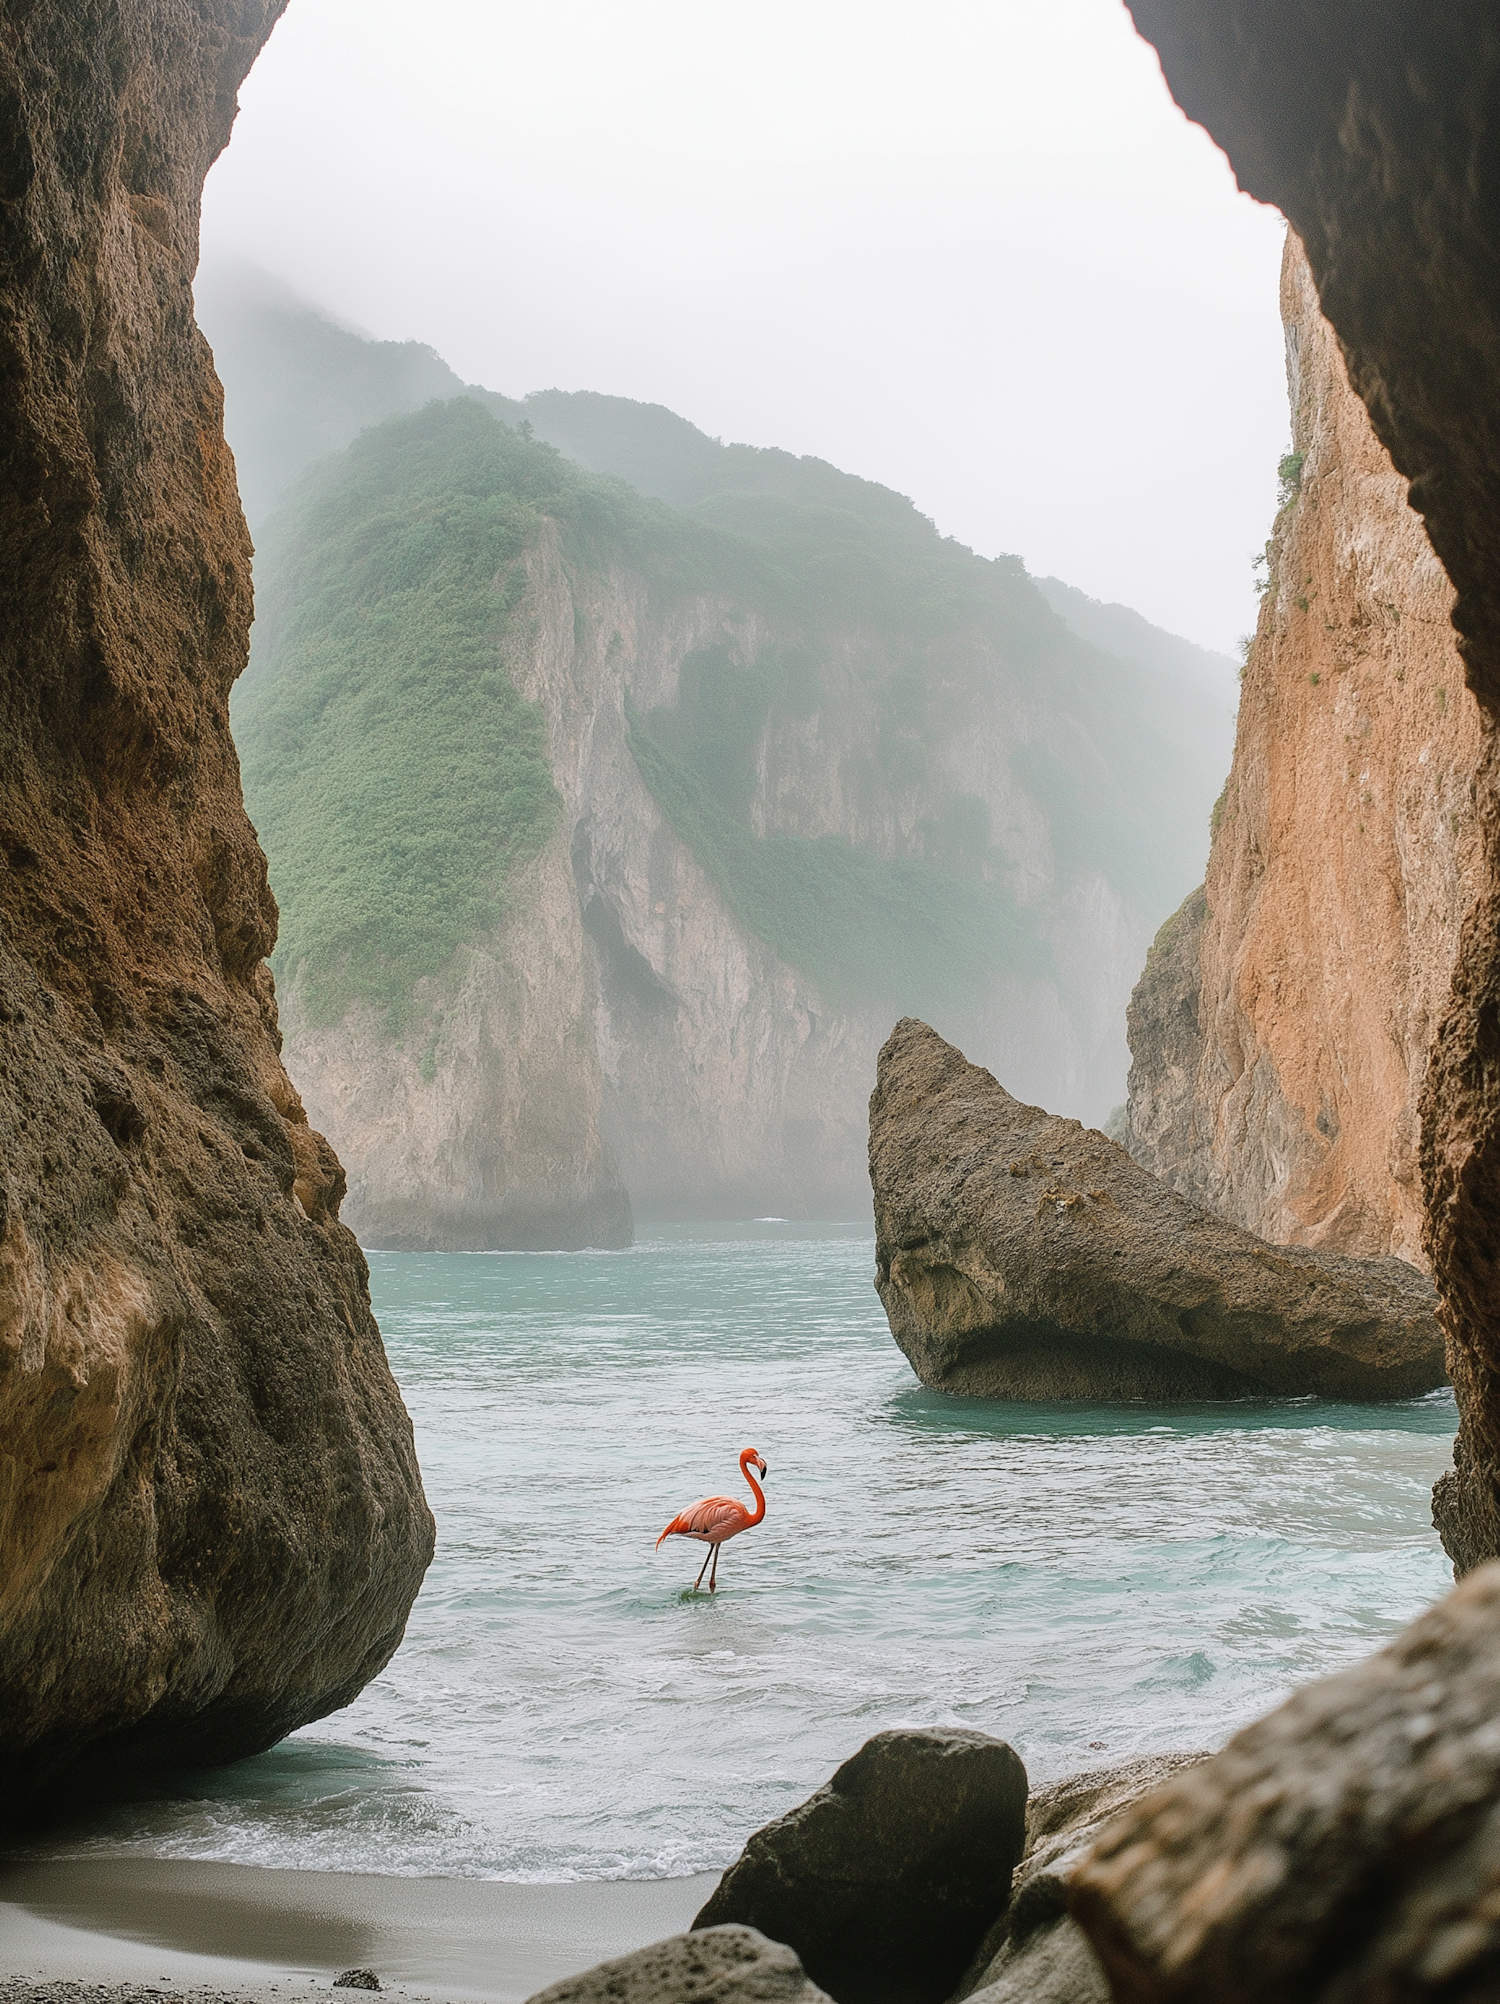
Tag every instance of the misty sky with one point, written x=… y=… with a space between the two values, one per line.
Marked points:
x=969 y=248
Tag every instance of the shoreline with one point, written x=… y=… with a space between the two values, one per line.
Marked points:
x=177 y=1925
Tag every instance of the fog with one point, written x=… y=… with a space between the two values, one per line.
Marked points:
x=970 y=250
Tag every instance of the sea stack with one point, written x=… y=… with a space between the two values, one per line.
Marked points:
x=211 y=1521
x=1020 y=1255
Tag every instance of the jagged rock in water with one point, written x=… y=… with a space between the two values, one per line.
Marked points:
x=885 y=1880
x=717 y=1965
x=1035 y=1953
x=1346 y=1847
x=211 y=1521
x=1024 y=1256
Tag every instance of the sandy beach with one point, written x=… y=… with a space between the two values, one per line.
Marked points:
x=175 y=1926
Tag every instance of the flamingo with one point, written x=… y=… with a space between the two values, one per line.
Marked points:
x=719 y=1517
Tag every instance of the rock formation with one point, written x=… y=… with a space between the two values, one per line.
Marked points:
x=886 y=1880
x=1362 y=127
x=1035 y=1953
x=627 y=1024
x=718 y=1965
x=1345 y=1847
x=1281 y=1030
x=896 y=1875
x=1022 y=1256
x=211 y=1522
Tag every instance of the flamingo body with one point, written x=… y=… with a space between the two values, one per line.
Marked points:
x=716 y=1518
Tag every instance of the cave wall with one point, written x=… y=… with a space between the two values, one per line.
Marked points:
x=211 y=1520
x=1374 y=125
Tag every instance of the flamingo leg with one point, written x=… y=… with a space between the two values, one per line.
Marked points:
x=713 y=1577
x=711 y=1553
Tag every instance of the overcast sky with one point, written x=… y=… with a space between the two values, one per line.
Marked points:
x=969 y=248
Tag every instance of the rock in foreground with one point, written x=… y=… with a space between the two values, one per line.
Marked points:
x=1347 y=1847
x=717 y=1965
x=211 y=1521
x=1035 y=1953
x=1022 y=1256
x=886 y=1880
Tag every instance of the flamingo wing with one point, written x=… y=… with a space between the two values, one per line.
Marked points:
x=714 y=1519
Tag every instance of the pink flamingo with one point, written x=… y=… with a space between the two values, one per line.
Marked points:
x=719 y=1517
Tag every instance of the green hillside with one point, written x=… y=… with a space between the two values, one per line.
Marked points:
x=399 y=781
x=394 y=774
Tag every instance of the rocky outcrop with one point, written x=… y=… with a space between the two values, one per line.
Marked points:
x=1345 y=1847
x=1281 y=1030
x=886 y=1880
x=1020 y=1255
x=211 y=1522
x=1035 y=1953
x=717 y=1965
x=1363 y=127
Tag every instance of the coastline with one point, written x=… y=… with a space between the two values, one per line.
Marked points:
x=172 y=1926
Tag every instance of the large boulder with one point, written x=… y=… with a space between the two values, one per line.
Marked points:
x=1020 y=1255
x=1345 y=1848
x=1035 y=1953
x=716 y=1965
x=886 y=1880
x=211 y=1521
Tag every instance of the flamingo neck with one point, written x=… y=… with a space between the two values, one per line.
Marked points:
x=759 y=1494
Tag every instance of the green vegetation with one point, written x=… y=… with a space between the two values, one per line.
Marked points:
x=906 y=930
x=396 y=777
x=1289 y=478
x=400 y=782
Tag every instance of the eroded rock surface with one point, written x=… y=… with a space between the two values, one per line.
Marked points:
x=1036 y=1953
x=885 y=1880
x=1020 y=1255
x=211 y=1521
x=716 y=1965
x=1280 y=1033
x=1372 y=129
x=1345 y=1848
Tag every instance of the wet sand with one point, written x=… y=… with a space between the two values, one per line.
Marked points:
x=175 y=1925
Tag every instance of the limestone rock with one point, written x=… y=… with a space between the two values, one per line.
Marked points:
x=1023 y=1256
x=211 y=1521
x=1346 y=853
x=1035 y=1953
x=885 y=1880
x=716 y=1965
x=637 y=1020
x=1345 y=1848
x=1360 y=125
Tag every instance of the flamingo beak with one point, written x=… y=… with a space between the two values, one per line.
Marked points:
x=763 y=1471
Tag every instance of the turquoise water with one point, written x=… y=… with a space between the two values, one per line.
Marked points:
x=1089 y=1582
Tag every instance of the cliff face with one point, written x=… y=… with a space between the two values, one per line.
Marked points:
x=1345 y=1846
x=211 y=1522
x=807 y=765
x=1281 y=1031
x=624 y=1034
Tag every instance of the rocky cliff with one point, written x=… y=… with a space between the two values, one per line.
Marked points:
x=1345 y=1847
x=211 y=1522
x=784 y=763
x=1280 y=1033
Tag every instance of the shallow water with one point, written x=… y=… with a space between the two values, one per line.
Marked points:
x=1087 y=1581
